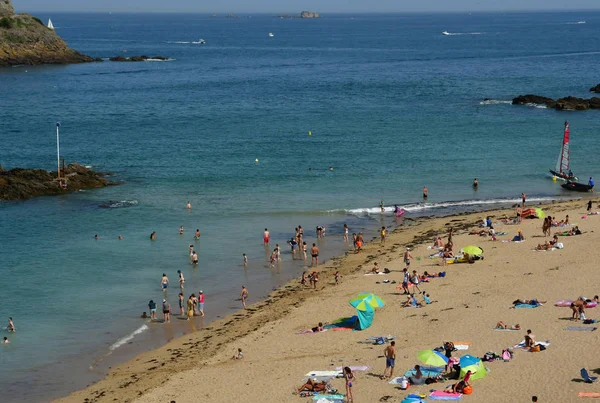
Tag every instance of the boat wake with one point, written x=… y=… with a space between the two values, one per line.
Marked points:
x=180 y=42
x=160 y=60
x=119 y=204
x=127 y=338
x=575 y=23
x=494 y=102
x=420 y=207
x=461 y=33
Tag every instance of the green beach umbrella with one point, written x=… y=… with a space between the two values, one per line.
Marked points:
x=472 y=250
x=432 y=358
x=540 y=213
x=366 y=301
x=478 y=371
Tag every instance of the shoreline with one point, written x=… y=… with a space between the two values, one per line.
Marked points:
x=146 y=371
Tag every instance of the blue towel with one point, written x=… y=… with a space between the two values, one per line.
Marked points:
x=526 y=305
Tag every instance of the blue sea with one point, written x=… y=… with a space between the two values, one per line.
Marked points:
x=387 y=101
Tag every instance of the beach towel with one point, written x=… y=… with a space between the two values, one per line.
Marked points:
x=309 y=331
x=527 y=305
x=355 y=368
x=505 y=330
x=375 y=274
x=581 y=328
x=589 y=394
x=461 y=345
x=328 y=398
x=315 y=374
x=396 y=381
x=441 y=395
x=522 y=344
x=386 y=338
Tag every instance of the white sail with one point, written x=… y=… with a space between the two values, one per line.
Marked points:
x=50 y=24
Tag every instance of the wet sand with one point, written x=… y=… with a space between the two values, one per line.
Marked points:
x=471 y=299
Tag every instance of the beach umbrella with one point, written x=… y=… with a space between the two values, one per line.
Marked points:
x=366 y=301
x=478 y=370
x=433 y=358
x=467 y=360
x=472 y=250
x=540 y=213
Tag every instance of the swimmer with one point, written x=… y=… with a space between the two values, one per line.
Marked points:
x=245 y=259
x=266 y=237
x=244 y=295
x=11 y=325
x=475 y=183
x=96 y=237
x=144 y=315
x=194 y=258
x=120 y=237
x=331 y=168
x=191 y=250
x=425 y=191
x=181 y=230
x=5 y=341
x=197 y=234
x=188 y=205
x=164 y=283
x=153 y=236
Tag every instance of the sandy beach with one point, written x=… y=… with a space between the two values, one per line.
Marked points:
x=471 y=299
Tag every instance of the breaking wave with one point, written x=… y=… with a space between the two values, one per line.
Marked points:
x=494 y=102
x=119 y=204
x=127 y=338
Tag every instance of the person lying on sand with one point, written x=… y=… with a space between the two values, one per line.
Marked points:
x=438 y=243
x=312 y=385
x=374 y=270
x=459 y=386
x=574 y=231
x=529 y=302
x=502 y=325
x=318 y=328
x=544 y=246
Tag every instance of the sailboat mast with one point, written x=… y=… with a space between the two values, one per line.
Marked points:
x=564 y=158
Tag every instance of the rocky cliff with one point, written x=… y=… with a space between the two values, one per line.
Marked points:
x=26 y=40
x=309 y=14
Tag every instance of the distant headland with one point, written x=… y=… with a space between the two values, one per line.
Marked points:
x=303 y=14
x=25 y=39
x=21 y=183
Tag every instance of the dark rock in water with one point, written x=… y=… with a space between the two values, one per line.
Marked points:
x=595 y=89
x=20 y=183
x=533 y=99
x=25 y=40
x=99 y=59
x=572 y=104
x=136 y=58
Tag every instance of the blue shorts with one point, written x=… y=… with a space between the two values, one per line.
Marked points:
x=390 y=362
x=201 y=306
x=165 y=285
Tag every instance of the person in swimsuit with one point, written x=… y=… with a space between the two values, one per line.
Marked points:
x=188 y=205
x=245 y=259
x=5 y=341
x=315 y=279
x=318 y=328
x=181 y=304
x=181 y=230
x=337 y=277
x=359 y=242
x=314 y=252
x=181 y=279
x=152 y=308
x=11 y=325
x=382 y=206
x=120 y=237
x=448 y=348
x=407 y=257
x=425 y=191
x=166 y=310
x=382 y=234
x=475 y=183
x=346 y=232
x=349 y=376
x=460 y=385
x=523 y=198
x=304 y=249
x=266 y=237
x=244 y=295
x=390 y=360
x=502 y=325
x=153 y=236
x=194 y=258
x=197 y=234
x=374 y=270
x=164 y=283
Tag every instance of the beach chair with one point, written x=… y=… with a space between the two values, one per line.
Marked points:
x=586 y=376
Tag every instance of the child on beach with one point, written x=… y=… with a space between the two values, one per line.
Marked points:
x=349 y=376
x=383 y=233
x=354 y=238
x=337 y=277
x=238 y=355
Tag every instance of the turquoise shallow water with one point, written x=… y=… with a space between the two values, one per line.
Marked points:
x=392 y=104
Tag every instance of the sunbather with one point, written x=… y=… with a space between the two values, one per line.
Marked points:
x=502 y=325
x=418 y=378
x=312 y=385
x=528 y=302
x=529 y=339
x=459 y=386
x=318 y=328
x=374 y=270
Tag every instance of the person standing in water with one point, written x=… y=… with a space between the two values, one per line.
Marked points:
x=201 y=303
x=425 y=191
x=11 y=325
x=197 y=234
x=152 y=308
x=190 y=307
x=245 y=259
x=194 y=258
x=181 y=279
x=266 y=237
x=314 y=252
x=164 y=283
x=591 y=183
x=382 y=205
x=181 y=230
x=188 y=205
x=475 y=183
x=181 y=304
x=346 y=230
x=244 y=295
x=153 y=236
x=166 y=310
x=523 y=198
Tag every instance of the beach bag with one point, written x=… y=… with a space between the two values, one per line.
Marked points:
x=541 y=347
x=536 y=349
x=403 y=383
x=506 y=355
x=442 y=274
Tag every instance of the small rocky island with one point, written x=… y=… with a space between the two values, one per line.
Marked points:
x=303 y=14
x=21 y=183
x=562 y=104
x=25 y=40
x=595 y=89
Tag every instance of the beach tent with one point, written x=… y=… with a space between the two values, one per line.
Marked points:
x=365 y=304
x=365 y=318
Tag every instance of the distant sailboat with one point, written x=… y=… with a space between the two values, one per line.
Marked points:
x=200 y=42
x=445 y=33
x=563 y=166
x=50 y=24
x=271 y=34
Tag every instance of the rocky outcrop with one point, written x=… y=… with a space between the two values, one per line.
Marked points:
x=561 y=104
x=309 y=14
x=136 y=58
x=595 y=89
x=20 y=183
x=26 y=40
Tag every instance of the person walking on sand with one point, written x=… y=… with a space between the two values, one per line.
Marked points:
x=152 y=308
x=425 y=192
x=314 y=252
x=589 y=207
x=201 y=303
x=164 y=283
x=166 y=307
x=523 y=198
x=350 y=379
x=266 y=237
x=244 y=295
x=405 y=280
x=181 y=279
x=383 y=233
x=390 y=360
x=415 y=280
x=407 y=257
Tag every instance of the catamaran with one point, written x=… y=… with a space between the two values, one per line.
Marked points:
x=563 y=170
x=50 y=24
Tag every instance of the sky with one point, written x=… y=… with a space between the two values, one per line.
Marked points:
x=295 y=6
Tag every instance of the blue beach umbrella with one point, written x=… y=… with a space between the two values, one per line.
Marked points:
x=467 y=360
